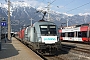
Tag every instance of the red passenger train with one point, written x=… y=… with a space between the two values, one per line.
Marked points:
x=21 y=34
x=80 y=33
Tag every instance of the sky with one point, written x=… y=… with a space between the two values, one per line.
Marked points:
x=62 y=6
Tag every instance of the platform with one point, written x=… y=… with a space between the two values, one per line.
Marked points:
x=15 y=50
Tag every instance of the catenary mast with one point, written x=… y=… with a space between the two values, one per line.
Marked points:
x=48 y=8
x=9 y=24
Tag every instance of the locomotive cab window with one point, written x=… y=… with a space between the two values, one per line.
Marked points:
x=44 y=29
x=52 y=29
x=48 y=29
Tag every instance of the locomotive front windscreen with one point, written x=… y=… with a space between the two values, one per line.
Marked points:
x=48 y=30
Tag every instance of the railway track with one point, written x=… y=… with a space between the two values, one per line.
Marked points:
x=54 y=58
x=50 y=57
x=79 y=52
x=82 y=47
x=76 y=48
x=69 y=52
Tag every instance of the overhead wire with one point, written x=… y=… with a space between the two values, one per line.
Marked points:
x=67 y=4
x=49 y=4
x=36 y=12
x=52 y=2
x=78 y=7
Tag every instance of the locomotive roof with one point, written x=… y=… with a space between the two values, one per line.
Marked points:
x=42 y=22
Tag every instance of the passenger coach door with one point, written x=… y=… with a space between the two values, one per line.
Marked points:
x=76 y=36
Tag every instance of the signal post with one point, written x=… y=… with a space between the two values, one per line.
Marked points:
x=0 y=36
x=2 y=24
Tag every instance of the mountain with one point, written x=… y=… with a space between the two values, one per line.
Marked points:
x=21 y=15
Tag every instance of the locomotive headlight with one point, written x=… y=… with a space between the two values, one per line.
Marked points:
x=40 y=39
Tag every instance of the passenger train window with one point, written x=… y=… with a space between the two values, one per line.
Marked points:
x=71 y=34
x=79 y=34
x=62 y=34
x=82 y=34
x=89 y=33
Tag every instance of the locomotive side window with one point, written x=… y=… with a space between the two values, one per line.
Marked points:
x=34 y=29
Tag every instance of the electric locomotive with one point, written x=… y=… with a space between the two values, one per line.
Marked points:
x=43 y=37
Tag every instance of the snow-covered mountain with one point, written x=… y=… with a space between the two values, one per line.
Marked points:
x=22 y=12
